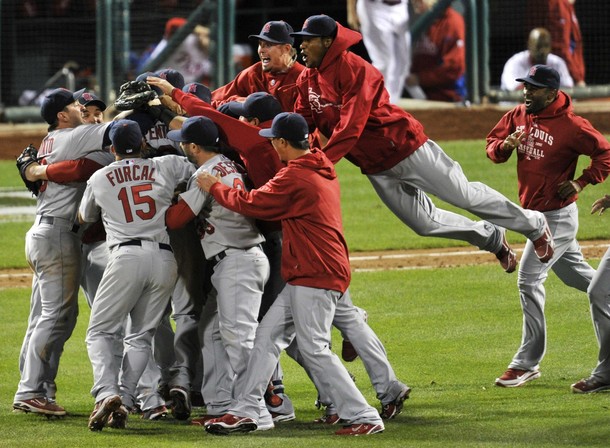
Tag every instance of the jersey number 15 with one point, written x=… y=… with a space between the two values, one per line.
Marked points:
x=143 y=204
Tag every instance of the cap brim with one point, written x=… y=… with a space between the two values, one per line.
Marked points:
x=267 y=133
x=176 y=136
x=98 y=103
x=76 y=95
x=267 y=39
x=236 y=108
x=532 y=82
x=305 y=34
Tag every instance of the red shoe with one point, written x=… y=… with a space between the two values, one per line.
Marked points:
x=360 y=429
x=516 y=377
x=589 y=386
x=394 y=408
x=328 y=419
x=118 y=419
x=229 y=423
x=544 y=246
x=201 y=421
x=507 y=257
x=102 y=411
x=39 y=406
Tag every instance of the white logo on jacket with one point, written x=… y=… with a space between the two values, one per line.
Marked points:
x=315 y=102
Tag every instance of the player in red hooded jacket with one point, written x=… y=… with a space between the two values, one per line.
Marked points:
x=275 y=73
x=548 y=138
x=344 y=97
x=315 y=264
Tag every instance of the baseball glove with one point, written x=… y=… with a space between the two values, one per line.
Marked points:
x=134 y=95
x=28 y=156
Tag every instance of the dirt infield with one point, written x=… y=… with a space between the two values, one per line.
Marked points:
x=377 y=261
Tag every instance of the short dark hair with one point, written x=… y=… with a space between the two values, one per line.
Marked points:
x=299 y=144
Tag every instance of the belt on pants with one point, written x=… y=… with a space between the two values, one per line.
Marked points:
x=51 y=220
x=222 y=255
x=163 y=246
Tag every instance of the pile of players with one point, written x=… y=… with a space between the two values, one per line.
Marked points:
x=247 y=265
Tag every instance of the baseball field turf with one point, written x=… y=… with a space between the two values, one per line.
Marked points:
x=449 y=333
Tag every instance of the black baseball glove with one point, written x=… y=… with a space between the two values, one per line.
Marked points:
x=134 y=95
x=28 y=156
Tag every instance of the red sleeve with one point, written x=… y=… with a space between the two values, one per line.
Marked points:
x=271 y=202
x=361 y=84
x=72 y=171
x=599 y=168
x=238 y=89
x=178 y=215
x=496 y=138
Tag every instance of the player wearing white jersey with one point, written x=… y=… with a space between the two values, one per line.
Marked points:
x=240 y=272
x=133 y=195
x=53 y=252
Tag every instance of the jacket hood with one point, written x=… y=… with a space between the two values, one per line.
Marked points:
x=561 y=106
x=316 y=161
x=345 y=38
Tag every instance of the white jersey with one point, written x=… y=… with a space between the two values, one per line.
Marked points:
x=519 y=65
x=221 y=227
x=133 y=195
x=57 y=200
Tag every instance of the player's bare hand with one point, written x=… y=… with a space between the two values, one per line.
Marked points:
x=205 y=181
x=161 y=83
x=568 y=188
x=513 y=141
x=601 y=205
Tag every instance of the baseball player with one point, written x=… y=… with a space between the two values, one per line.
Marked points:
x=241 y=270
x=599 y=291
x=548 y=139
x=276 y=72
x=342 y=96
x=51 y=242
x=315 y=264
x=132 y=195
x=385 y=30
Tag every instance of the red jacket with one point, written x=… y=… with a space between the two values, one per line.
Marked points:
x=305 y=197
x=253 y=79
x=559 y=17
x=439 y=58
x=554 y=139
x=345 y=99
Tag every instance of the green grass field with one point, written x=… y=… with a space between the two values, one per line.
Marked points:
x=448 y=332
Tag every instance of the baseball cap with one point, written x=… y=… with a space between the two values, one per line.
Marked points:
x=276 y=32
x=199 y=90
x=542 y=76
x=199 y=130
x=261 y=105
x=288 y=125
x=90 y=99
x=172 y=76
x=142 y=77
x=318 y=26
x=126 y=137
x=56 y=101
